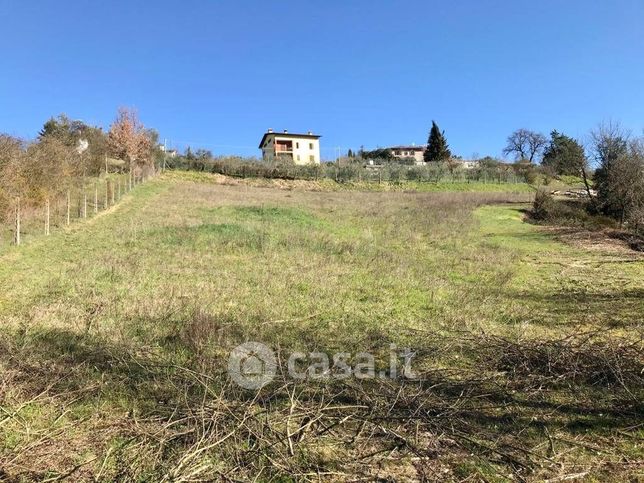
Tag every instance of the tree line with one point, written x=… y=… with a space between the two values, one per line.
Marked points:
x=67 y=154
x=615 y=187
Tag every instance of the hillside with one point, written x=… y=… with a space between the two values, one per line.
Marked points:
x=116 y=334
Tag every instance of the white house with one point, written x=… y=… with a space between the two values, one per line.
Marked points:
x=299 y=148
x=413 y=151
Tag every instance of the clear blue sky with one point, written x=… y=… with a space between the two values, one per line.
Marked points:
x=217 y=74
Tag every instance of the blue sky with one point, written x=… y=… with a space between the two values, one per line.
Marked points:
x=217 y=74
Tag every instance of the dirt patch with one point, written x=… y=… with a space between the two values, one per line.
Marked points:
x=608 y=240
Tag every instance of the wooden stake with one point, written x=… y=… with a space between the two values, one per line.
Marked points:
x=69 y=207
x=107 y=193
x=95 y=198
x=17 y=234
x=84 y=205
x=47 y=216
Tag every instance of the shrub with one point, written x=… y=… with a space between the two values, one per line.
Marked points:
x=417 y=173
x=543 y=206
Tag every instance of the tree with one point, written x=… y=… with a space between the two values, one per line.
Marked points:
x=564 y=155
x=350 y=153
x=525 y=145
x=64 y=129
x=129 y=140
x=437 y=148
x=625 y=184
x=201 y=157
x=11 y=152
x=49 y=168
x=94 y=158
x=70 y=133
x=609 y=142
x=10 y=149
x=619 y=177
x=379 y=154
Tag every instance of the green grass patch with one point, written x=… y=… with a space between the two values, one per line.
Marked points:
x=116 y=334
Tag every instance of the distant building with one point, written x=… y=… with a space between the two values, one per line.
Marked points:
x=469 y=164
x=413 y=151
x=299 y=148
x=170 y=152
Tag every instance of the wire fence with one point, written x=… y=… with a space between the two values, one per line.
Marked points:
x=85 y=199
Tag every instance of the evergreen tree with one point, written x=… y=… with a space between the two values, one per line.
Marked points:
x=350 y=154
x=64 y=129
x=564 y=155
x=437 y=148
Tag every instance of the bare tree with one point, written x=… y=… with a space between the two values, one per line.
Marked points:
x=525 y=145
x=11 y=150
x=625 y=184
x=608 y=142
x=129 y=140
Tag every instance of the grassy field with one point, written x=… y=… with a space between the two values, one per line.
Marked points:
x=116 y=334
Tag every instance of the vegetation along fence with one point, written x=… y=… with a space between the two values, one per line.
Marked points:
x=353 y=171
x=84 y=200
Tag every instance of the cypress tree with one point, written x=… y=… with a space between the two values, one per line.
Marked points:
x=437 y=148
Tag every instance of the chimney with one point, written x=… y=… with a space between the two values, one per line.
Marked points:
x=310 y=133
x=285 y=131
x=270 y=130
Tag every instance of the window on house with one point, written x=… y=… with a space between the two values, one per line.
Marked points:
x=297 y=145
x=311 y=146
x=298 y=157
x=312 y=158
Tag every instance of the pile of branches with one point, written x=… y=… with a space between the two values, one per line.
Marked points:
x=580 y=359
x=201 y=426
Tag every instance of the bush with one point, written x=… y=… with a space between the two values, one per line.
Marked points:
x=396 y=173
x=544 y=206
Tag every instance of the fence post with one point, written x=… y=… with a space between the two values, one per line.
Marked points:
x=69 y=206
x=119 y=188
x=95 y=197
x=84 y=203
x=113 y=193
x=107 y=193
x=17 y=234
x=47 y=216
x=129 y=180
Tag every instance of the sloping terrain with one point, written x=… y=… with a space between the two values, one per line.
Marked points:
x=116 y=335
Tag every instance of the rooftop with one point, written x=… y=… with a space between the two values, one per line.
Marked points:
x=286 y=134
x=408 y=148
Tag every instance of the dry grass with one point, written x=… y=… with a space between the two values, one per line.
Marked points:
x=117 y=333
